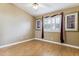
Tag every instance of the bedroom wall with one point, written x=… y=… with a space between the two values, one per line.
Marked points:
x=72 y=38
x=15 y=24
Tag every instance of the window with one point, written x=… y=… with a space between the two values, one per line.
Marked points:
x=52 y=24
x=47 y=24
x=38 y=24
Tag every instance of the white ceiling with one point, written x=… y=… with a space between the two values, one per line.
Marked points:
x=44 y=7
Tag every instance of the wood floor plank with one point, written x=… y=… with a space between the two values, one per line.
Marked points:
x=38 y=48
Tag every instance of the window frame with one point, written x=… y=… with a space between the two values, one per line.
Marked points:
x=51 y=29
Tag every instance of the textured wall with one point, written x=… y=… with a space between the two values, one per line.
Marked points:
x=15 y=24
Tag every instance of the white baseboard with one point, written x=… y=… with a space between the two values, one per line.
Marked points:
x=11 y=44
x=63 y=44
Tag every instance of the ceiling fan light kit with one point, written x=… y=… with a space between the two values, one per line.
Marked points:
x=35 y=5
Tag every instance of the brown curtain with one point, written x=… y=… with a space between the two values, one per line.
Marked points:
x=62 y=29
x=42 y=29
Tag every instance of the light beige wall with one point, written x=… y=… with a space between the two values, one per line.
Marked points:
x=15 y=24
x=71 y=37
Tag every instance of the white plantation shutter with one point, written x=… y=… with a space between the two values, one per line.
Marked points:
x=52 y=24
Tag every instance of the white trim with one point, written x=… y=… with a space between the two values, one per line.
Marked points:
x=63 y=44
x=76 y=22
x=11 y=44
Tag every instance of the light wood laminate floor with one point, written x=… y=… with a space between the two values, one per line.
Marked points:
x=38 y=48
